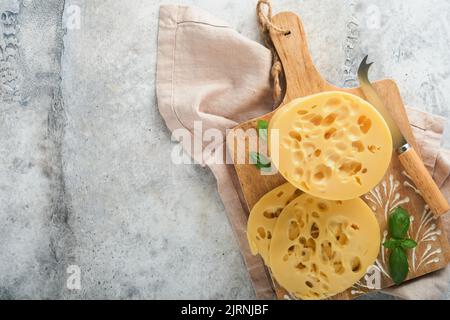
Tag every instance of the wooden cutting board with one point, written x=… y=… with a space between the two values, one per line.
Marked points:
x=303 y=79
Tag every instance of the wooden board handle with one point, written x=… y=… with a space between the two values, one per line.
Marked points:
x=424 y=182
x=302 y=77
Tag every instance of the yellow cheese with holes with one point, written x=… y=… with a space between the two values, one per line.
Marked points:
x=263 y=217
x=320 y=248
x=333 y=145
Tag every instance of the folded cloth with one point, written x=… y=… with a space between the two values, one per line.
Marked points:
x=208 y=72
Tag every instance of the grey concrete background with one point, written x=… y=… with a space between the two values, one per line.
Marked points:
x=84 y=173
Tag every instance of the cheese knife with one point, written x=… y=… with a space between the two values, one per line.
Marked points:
x=408 y=157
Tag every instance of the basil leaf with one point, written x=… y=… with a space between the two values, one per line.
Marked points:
x=398 y=265
x=260 y=161
x=262 y=124
x=399 y=223
x=408 y=244
x=392 y=243
x=262 y=127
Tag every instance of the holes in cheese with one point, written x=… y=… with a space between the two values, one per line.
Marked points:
x=320 y=248
x=264 y=215
x=334 y=145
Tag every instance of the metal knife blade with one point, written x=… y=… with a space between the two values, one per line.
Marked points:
x=408 y=157
x=399 y=141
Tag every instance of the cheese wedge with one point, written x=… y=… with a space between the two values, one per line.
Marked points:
x=263 y=217
x=333 y=145
x=320 y=248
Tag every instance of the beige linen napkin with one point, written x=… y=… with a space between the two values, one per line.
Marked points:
x=208 y=72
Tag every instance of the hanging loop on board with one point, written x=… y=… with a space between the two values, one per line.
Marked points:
x=265 y=19
x=265 y=25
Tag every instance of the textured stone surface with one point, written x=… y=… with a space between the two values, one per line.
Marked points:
x=84 y=176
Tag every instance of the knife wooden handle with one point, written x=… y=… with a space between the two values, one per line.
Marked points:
x=419 y=174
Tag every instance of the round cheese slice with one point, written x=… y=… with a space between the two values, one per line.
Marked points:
x=333 y=145
x=263 y=217
x=320 y=248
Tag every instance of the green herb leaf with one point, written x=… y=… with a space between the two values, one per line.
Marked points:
x=408 y=244
x=262 y=128
x=392 y=243
x=398 y=265
x=260 y=161
x=399 y=222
